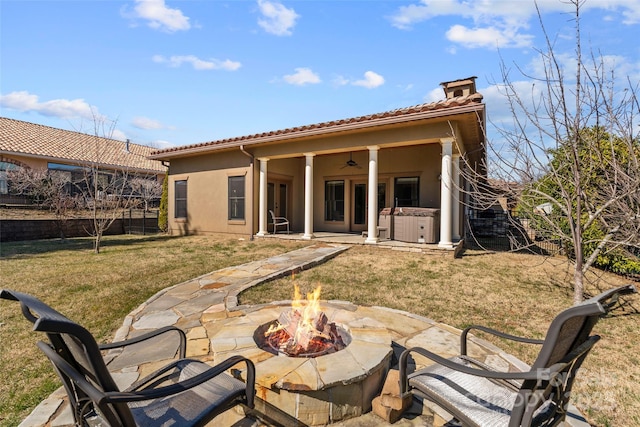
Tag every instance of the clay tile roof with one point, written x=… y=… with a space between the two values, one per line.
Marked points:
x=62 y=146
x=452 y=103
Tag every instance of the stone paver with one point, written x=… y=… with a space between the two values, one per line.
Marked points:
x=206 y=309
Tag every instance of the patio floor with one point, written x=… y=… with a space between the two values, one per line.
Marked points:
x=358 y=239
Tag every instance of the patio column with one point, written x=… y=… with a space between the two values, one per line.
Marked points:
x=372 y=220
x=262 y=204
x=456 y=198
x=446 y=194
x=308 y=196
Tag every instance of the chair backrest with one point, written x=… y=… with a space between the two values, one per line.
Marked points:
x=79 y=349
x=573 y=326
x=272 y=215
x=567 y=341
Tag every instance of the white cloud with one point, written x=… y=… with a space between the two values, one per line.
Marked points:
x=277 y=19
x=62 y=108
x=118 y=135
x=407 y=16
x=302 y=76
x=161 y=17
x=434 y=95
x=504 y=24
x=340 y=81
x=371 y=80
x=146 y=123
x=197 y=63
x=488 y=37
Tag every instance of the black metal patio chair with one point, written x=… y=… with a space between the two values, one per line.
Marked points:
x=477 y=395
x=186 y=392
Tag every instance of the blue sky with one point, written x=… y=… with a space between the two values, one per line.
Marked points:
x=177 y=72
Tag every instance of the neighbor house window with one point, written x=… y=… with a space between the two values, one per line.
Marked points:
x=181 y=199
x=334 y=200
x=4 y=181
x=236 y=197
x=406 y=191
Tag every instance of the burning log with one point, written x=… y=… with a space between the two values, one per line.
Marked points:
x=305 y=329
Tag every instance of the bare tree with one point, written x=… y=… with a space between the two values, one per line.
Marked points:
x=45 y=188
x=106 y=190
x=571 y=156
x=146 y=189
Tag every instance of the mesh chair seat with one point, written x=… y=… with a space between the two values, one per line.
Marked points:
x=482 y=400
x=188 y=407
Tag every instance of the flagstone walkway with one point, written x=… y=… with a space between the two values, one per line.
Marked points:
x=204 y=306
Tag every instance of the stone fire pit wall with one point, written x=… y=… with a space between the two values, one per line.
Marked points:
x=413 y=225
x=313 y=391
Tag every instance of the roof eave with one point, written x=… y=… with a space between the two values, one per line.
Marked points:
x=317 y=131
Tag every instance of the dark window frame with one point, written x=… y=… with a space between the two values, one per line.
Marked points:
x=334 y=206
x=409 y=196
x=180 y=199
x=236 y=197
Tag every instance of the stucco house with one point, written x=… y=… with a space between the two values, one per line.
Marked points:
x=30 y=145
x=334 y=176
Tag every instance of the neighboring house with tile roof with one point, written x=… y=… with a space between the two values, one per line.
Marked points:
x=334 y=176
x=24 y=144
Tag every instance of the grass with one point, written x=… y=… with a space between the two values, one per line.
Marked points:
x=512 y=292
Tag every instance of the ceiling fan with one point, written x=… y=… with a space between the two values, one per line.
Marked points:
x=351 y=163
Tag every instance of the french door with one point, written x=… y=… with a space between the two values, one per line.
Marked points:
x=278 y=197
x=360 y=205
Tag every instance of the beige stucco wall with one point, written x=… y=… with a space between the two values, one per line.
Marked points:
x=29 y=161
x=207 y=181
x=207 y=188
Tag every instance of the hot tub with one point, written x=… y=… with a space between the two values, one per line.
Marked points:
x=409 y=224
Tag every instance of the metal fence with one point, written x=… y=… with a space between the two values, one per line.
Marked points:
x=501 y=232
x=140 y=221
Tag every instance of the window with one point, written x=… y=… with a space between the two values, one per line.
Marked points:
x=4 y=182
x=334 y=200
x=181 y=199
x=236 y=197
x=407 y=191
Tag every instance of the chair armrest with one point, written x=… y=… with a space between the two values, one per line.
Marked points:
x=141 y=393
x=538 y=374
x=465 y=332
x=150 y=335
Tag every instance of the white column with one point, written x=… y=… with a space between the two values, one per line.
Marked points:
x=262 y=204
x=455 y=215
x=372 y=220
x=308 y=196
x=445 y=194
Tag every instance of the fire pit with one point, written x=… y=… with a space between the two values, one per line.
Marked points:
x=304 y=331
x=313 y=386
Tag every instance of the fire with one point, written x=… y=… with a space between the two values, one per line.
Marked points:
x=305 y=328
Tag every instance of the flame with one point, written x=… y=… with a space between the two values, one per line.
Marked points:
x=307 y=312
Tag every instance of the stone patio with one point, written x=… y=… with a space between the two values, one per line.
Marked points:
x=336 y=388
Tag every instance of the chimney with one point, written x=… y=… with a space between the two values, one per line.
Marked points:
x=126 y=147
x=462 y=87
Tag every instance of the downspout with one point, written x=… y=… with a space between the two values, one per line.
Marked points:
x=252 y=189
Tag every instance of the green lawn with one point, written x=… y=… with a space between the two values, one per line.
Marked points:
x=513 y=292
